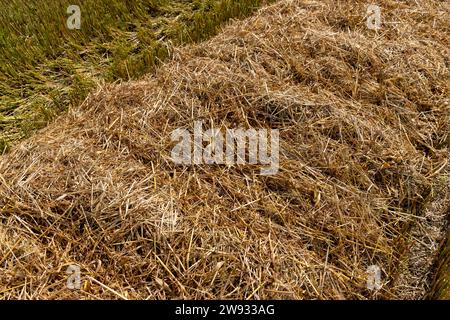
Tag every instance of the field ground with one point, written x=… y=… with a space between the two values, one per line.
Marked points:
x=364 y=123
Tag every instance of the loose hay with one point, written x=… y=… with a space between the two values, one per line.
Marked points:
x=364 y=136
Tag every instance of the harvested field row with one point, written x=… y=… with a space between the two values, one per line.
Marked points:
x=364 y=124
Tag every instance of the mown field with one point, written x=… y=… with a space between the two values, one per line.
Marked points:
x=45 y=67
x=363 y=177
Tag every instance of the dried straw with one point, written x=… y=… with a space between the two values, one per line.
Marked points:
x=364 y=126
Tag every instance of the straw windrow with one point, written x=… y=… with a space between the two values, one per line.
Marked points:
x=364 y=134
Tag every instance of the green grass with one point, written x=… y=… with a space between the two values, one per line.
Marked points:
x=45 y=67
